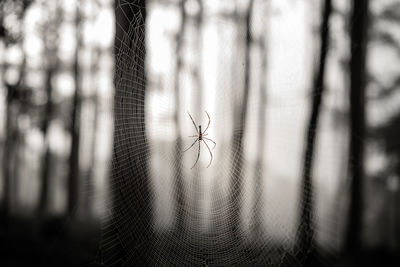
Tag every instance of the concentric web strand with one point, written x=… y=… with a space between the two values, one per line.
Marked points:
x=162 y=213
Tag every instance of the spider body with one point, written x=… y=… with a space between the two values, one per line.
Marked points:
x=200 y=137
x=200 y=134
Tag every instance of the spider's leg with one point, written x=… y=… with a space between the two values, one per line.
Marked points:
x=209 y=121
x=193 y=136
x=194 y=124
x=205 y=134
x=215 y=144
x=191 y=145
x=198 y=155
x=210 y=154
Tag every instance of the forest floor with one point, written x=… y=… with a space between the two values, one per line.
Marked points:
x=48 y=242
x=61 y=242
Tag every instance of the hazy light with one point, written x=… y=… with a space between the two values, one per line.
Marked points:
x=12 y=75
x=69 y=8
x=64 y=85
x=59 y=139
x=384 y=63
x=14 y=55
x=67 y=42
x=34 y=139
x=103 y=31
x=192 y=7
x=34 y=79
x=393 y=183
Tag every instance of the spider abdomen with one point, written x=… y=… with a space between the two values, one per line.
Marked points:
x=200 y=133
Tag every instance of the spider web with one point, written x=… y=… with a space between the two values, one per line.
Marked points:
x=161 y=217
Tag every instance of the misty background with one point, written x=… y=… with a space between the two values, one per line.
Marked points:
x=303 y=101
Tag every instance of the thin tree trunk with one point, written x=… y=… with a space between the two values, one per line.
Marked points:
x=73 y=178
x=128 y=237
x=236 y=186
x=90 y=177
x=198 y=50
x=44 y=189
x=258 y=185
x=179 y=186
x=20 y=94
x=196 y=72
x=52 y=66
x=7 y=154
x=6 y=165
x=305 y=231
x=10 y=154
x=358 y=35
x=6 y=146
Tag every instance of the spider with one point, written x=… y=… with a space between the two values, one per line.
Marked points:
x=200 y=136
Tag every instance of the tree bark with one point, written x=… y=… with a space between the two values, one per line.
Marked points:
x=305 y=231
x=358 y=35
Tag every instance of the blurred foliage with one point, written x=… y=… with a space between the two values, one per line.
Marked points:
x=12 y=10
x=391 y=13
x=387 y=133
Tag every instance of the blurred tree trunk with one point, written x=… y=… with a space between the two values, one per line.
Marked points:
x=44 y=187
x=261 y=135
x=18 y=161
x=73 y=177
x=7 y=147
x=2 y=28
x=128 y=237
x=236 y=186
x=305 y=231
x=179 y=187
x=10 y=153
x=7 y=152
x=52 y=66
x=13 y=92
x=358 y=36
x=91 y=173
x=198 y=103
x=21 y=106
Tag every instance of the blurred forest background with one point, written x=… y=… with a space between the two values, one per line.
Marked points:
x=302 y=98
